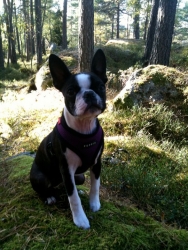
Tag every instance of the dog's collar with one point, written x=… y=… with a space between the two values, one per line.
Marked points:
x=87 y=146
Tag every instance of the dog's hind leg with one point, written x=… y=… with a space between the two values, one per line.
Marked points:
x=42 y=185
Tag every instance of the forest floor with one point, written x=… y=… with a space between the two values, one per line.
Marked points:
x=144 y=180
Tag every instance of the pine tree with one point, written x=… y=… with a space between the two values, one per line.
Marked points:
x=161 y=48
x=86 y=36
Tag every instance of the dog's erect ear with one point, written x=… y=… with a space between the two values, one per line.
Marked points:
x=98 y=65
x=59 y=71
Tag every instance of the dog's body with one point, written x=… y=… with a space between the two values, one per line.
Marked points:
x=76 y=143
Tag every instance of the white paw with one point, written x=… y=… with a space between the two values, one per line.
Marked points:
x=95 y=205
x=80 y=220
x=50 y=200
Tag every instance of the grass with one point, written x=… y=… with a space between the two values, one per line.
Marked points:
x=27 y=223
x=156 y=181
x=159 y=120
x=155 y=172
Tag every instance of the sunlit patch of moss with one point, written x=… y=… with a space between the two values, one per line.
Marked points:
x=20 y=166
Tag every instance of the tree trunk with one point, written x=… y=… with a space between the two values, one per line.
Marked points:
x=151 y=31
x=64 y=37
x=136 y=26
x=160 y=53
x=145 y=27
x=11 y=40
x=32 y=29
x=117 y=34
x=86 y=36
x=8 y=30
x=146 y=21
x=17 y=33
x=43 y=46
x=136 y=19
x=27 y=29
x=43 y=14
x=128 y=30
x=112 y=27
x=38 y=21
x=1 y=52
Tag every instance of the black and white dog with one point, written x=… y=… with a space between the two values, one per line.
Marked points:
x=76 y=143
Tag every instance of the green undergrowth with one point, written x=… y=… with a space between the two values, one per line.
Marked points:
x=18 y=72
x=178 y=56
x=123 y=55
x=27 y=223
x=161 y=121
x=153 y=175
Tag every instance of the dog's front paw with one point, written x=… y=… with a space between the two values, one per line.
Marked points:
x=95 y=204
x=80 y=220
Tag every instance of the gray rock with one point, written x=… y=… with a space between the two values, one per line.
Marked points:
x=43 y=78
x=143 y=88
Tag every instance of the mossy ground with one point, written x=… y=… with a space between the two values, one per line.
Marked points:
x=27 y=223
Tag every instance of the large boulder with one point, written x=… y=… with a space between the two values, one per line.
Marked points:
x=43 y=78
x=153 y=84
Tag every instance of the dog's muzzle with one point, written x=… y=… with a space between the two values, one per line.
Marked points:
x=92 y=100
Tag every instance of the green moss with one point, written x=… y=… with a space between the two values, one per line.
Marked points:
x=20 y=167
x=27 y=223
x=160 y=75
x=126 y=102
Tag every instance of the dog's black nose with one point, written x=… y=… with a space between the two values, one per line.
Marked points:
x=89 y=96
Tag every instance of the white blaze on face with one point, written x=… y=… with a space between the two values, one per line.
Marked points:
x=84 y=83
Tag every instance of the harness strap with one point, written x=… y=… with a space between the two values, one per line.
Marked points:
x=85 y=146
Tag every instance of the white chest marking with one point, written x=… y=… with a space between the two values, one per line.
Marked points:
x=73 y=160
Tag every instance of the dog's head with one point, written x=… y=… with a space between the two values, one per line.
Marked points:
x=84 y=93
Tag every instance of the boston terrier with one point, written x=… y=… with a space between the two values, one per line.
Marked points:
x=76 y=142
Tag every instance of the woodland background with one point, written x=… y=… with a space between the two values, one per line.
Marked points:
x=30 y=27
x=144 y=178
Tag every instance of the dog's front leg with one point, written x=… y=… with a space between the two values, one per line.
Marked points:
x=95 y=185
x=79 y=216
